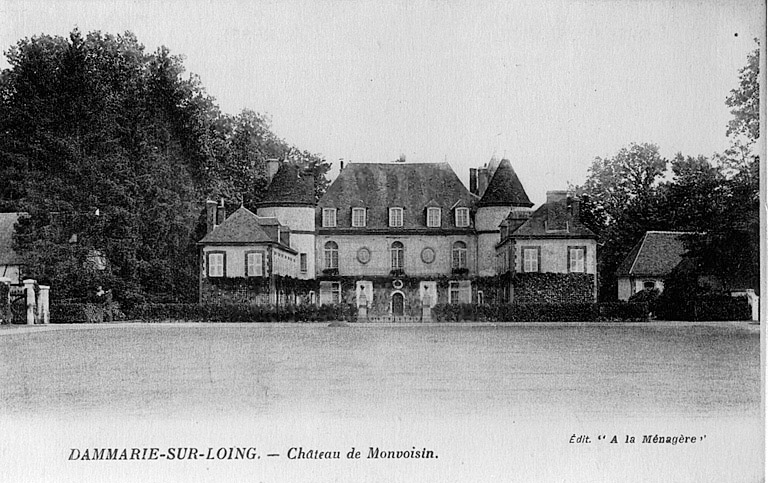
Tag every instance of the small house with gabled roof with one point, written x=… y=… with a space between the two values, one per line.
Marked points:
x=244 y=257
x=650 y=261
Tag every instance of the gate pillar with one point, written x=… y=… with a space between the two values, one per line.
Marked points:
x=29 y=290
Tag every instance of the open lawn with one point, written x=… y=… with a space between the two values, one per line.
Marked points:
x=519 y=371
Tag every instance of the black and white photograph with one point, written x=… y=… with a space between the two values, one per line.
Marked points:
x=396 y=241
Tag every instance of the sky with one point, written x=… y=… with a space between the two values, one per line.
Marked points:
x=549 y=85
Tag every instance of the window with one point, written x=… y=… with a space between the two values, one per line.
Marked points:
x=395 y=217
x=480 y=297
x=396 y=252
x=453 y=292
x=254 y=264
x=531 y=260
x=649 y=285
x=459 y=259
x=462 y=217
x=216 y=264
x=460 y=292
x=433 y=217
x=329 y=217
x=330 y=293
x=358 y=217
x=331 y=255
x=303 y=262
x=576 y=259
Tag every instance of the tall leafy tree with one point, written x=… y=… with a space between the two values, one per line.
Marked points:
x=623 y=197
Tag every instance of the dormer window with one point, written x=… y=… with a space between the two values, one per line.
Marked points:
x=433 y=217
x=329 y=217
x=462 y=217
x=358 y=217
x=395 y=217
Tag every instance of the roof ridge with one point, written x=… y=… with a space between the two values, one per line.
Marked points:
x=639 y=251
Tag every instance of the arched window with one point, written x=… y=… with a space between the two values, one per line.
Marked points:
x=396 y=253
x=459 y=255
x=331 y=255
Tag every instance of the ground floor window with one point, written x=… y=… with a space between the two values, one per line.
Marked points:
x=330 y=293
x=460 y=292
x=216 y=264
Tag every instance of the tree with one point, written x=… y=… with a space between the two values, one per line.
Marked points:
x=614 y=182
x=623 y=199
x=744 y=101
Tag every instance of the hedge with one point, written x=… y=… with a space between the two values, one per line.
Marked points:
x=565 y=312
x=705 y=308
x=242 y=313
x=76 y=313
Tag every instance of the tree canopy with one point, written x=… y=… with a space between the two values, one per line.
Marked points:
x=718 y=199
x=112 y=151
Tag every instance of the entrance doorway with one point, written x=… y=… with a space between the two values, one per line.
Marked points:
x=398 y=303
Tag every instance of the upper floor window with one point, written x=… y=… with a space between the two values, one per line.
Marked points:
x=303 y=262
x=396 y=252
x=331 y=255
x=254 y=264
x=329 y=217
x=358 y=217
x=462 y=217
x=576 y=257
x=216 y=264
x=459 y=259
x=395 y=217
x=531 y=259
x=433 y=217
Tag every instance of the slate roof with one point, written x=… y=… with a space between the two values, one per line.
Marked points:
x=505 y=188
x=290 y=186
x=551 y=220
x=8 y=255
x=380 y=186
x=243 y=227
x=655 y=255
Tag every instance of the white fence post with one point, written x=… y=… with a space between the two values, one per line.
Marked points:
x=29 y=290
x=43 y=313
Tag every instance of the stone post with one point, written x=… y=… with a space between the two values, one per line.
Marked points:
x=5 y=303
x=426 y=309
x=43 y=314
x=29 y=289
x=362 y=308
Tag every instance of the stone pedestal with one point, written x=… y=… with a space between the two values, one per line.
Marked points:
x=362 y=309
x=43 y=314
x=426 y=309
x=29 y=290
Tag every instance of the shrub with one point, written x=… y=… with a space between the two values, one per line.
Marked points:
x=711 y=307
x=624 y=311
x=242 y=313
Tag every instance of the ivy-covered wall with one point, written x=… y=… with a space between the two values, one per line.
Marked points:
x=542 y=288
x=254 y=290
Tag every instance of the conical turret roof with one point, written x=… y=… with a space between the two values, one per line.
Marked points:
x=505 y=188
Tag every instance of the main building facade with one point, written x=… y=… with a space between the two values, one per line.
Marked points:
x=396 y=238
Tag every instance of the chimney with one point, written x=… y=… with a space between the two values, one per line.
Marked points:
x=341 y=165
x=221 y=213
x=556 y=196
x=210 y=216
x=272 y=166
x=482 y=180
x=574 y=207
x=473 y=180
